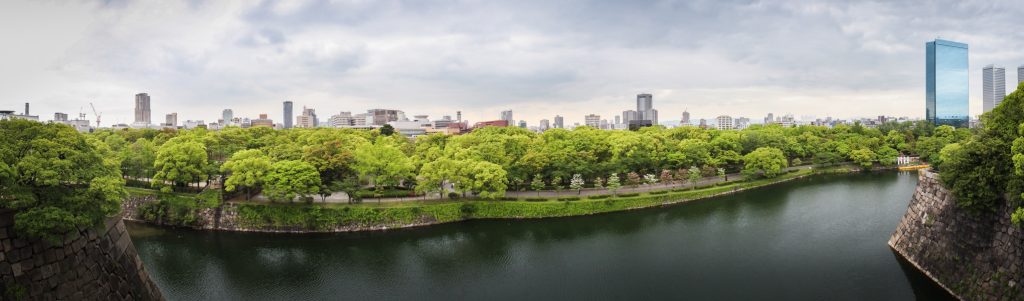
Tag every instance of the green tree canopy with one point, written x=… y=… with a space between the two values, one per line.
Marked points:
x=764 y=161
x=290 y=179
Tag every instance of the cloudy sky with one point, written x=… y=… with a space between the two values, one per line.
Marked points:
x=538 y=58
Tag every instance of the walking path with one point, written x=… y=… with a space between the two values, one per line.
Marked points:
x=341 y=197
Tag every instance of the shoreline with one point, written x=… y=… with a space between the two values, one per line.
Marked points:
x=663 y=198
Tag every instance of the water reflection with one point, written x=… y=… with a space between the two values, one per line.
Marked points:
x=819 y=238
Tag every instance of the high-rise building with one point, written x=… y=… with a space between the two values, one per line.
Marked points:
x=544 y=125
x=171 y=120
x=592 y=120
x=724 y=122
x=522 y=124
x=287 y=115
x=343 y=119
x=507 y=116
x=686 y=118
x=142 y=109
x=769 y=119
x=629 y=115
x=993 y=86
x=618 y=119
x=26 y=110
x=228 y=115
x=307 y=119
x=559 y=122
x=458 y=116
x=947 y=83
x=60 y=116
x=1020 y=75
x=645 y=108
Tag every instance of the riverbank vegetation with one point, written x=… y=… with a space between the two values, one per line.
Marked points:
x=298 y=164
x=987 y=170
x=59 y=178
x=327 y=217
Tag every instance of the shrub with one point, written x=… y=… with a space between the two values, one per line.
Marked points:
x=569 y=199
x=453 y=195
x=536 y=199
x=659 y=192
x=627 y=195
x=599 y=197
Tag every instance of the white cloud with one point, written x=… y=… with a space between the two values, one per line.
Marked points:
x=540 y=58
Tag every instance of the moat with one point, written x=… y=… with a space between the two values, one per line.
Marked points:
x=821 y=238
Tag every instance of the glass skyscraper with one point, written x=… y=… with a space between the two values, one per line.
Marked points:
x=946 y=83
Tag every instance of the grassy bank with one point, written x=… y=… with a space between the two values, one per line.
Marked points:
x=327 y=217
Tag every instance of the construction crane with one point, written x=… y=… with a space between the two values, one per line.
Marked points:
x=97 y=115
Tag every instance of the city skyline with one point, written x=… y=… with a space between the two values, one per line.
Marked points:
x=251 y=57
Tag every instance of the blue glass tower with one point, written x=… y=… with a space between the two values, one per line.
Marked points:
x=947 y=83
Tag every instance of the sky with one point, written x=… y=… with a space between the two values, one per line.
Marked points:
x=538 y=58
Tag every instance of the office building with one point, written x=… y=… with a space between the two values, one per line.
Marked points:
x=592 y=120
x=342 y=119
x=60 y=117
x=265 y=121
x=498 y=123
x=618 y=119
x=522 y=124
x=645 y=108
x=769 y=119
x=559 y=122
x=171 y=120
x=228 y=117
x=1020 y=76
x=724 y=122
x=507 y=116
x=381 y=117
x=686 y=118
x=307 y=119
x=993 y=86
x=629 y=116
x=287 y=115
x=544 y=125
x=946 y=83
x=142 y=109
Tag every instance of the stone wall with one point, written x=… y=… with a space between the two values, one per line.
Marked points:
x=975 y=257
x=90 y=264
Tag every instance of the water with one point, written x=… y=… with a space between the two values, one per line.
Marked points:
x=822 y=238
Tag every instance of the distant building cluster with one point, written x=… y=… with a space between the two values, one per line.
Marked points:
x=946 y=103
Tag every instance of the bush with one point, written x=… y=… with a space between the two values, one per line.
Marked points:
x=658 y=192
x=453 y=195
x=536 y=199
x=568 y=199
x=599 y=197
x=628 y=195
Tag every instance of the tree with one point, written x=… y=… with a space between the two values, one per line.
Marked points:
x=633 y=179
x=180 y=161
x=246 y=169
x=56 y=179
x=666 y=176
x=387 y=130
x=434 y=175
x=138 y=158
x=613 y=183
x=383 y=162
x=863 y=157
x=598 y=182
x=694 y=176
x=887 y=156
x=650 y=179
x=764 y=161
x=576 y=183
x=556 y=182
x=537 y=184
x=290 y=179
x=721 y=173
x=486 y=179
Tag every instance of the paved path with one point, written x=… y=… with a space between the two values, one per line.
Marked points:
x=341 y=197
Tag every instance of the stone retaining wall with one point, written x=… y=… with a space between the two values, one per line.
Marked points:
x=975 y=257
x=90 y=264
